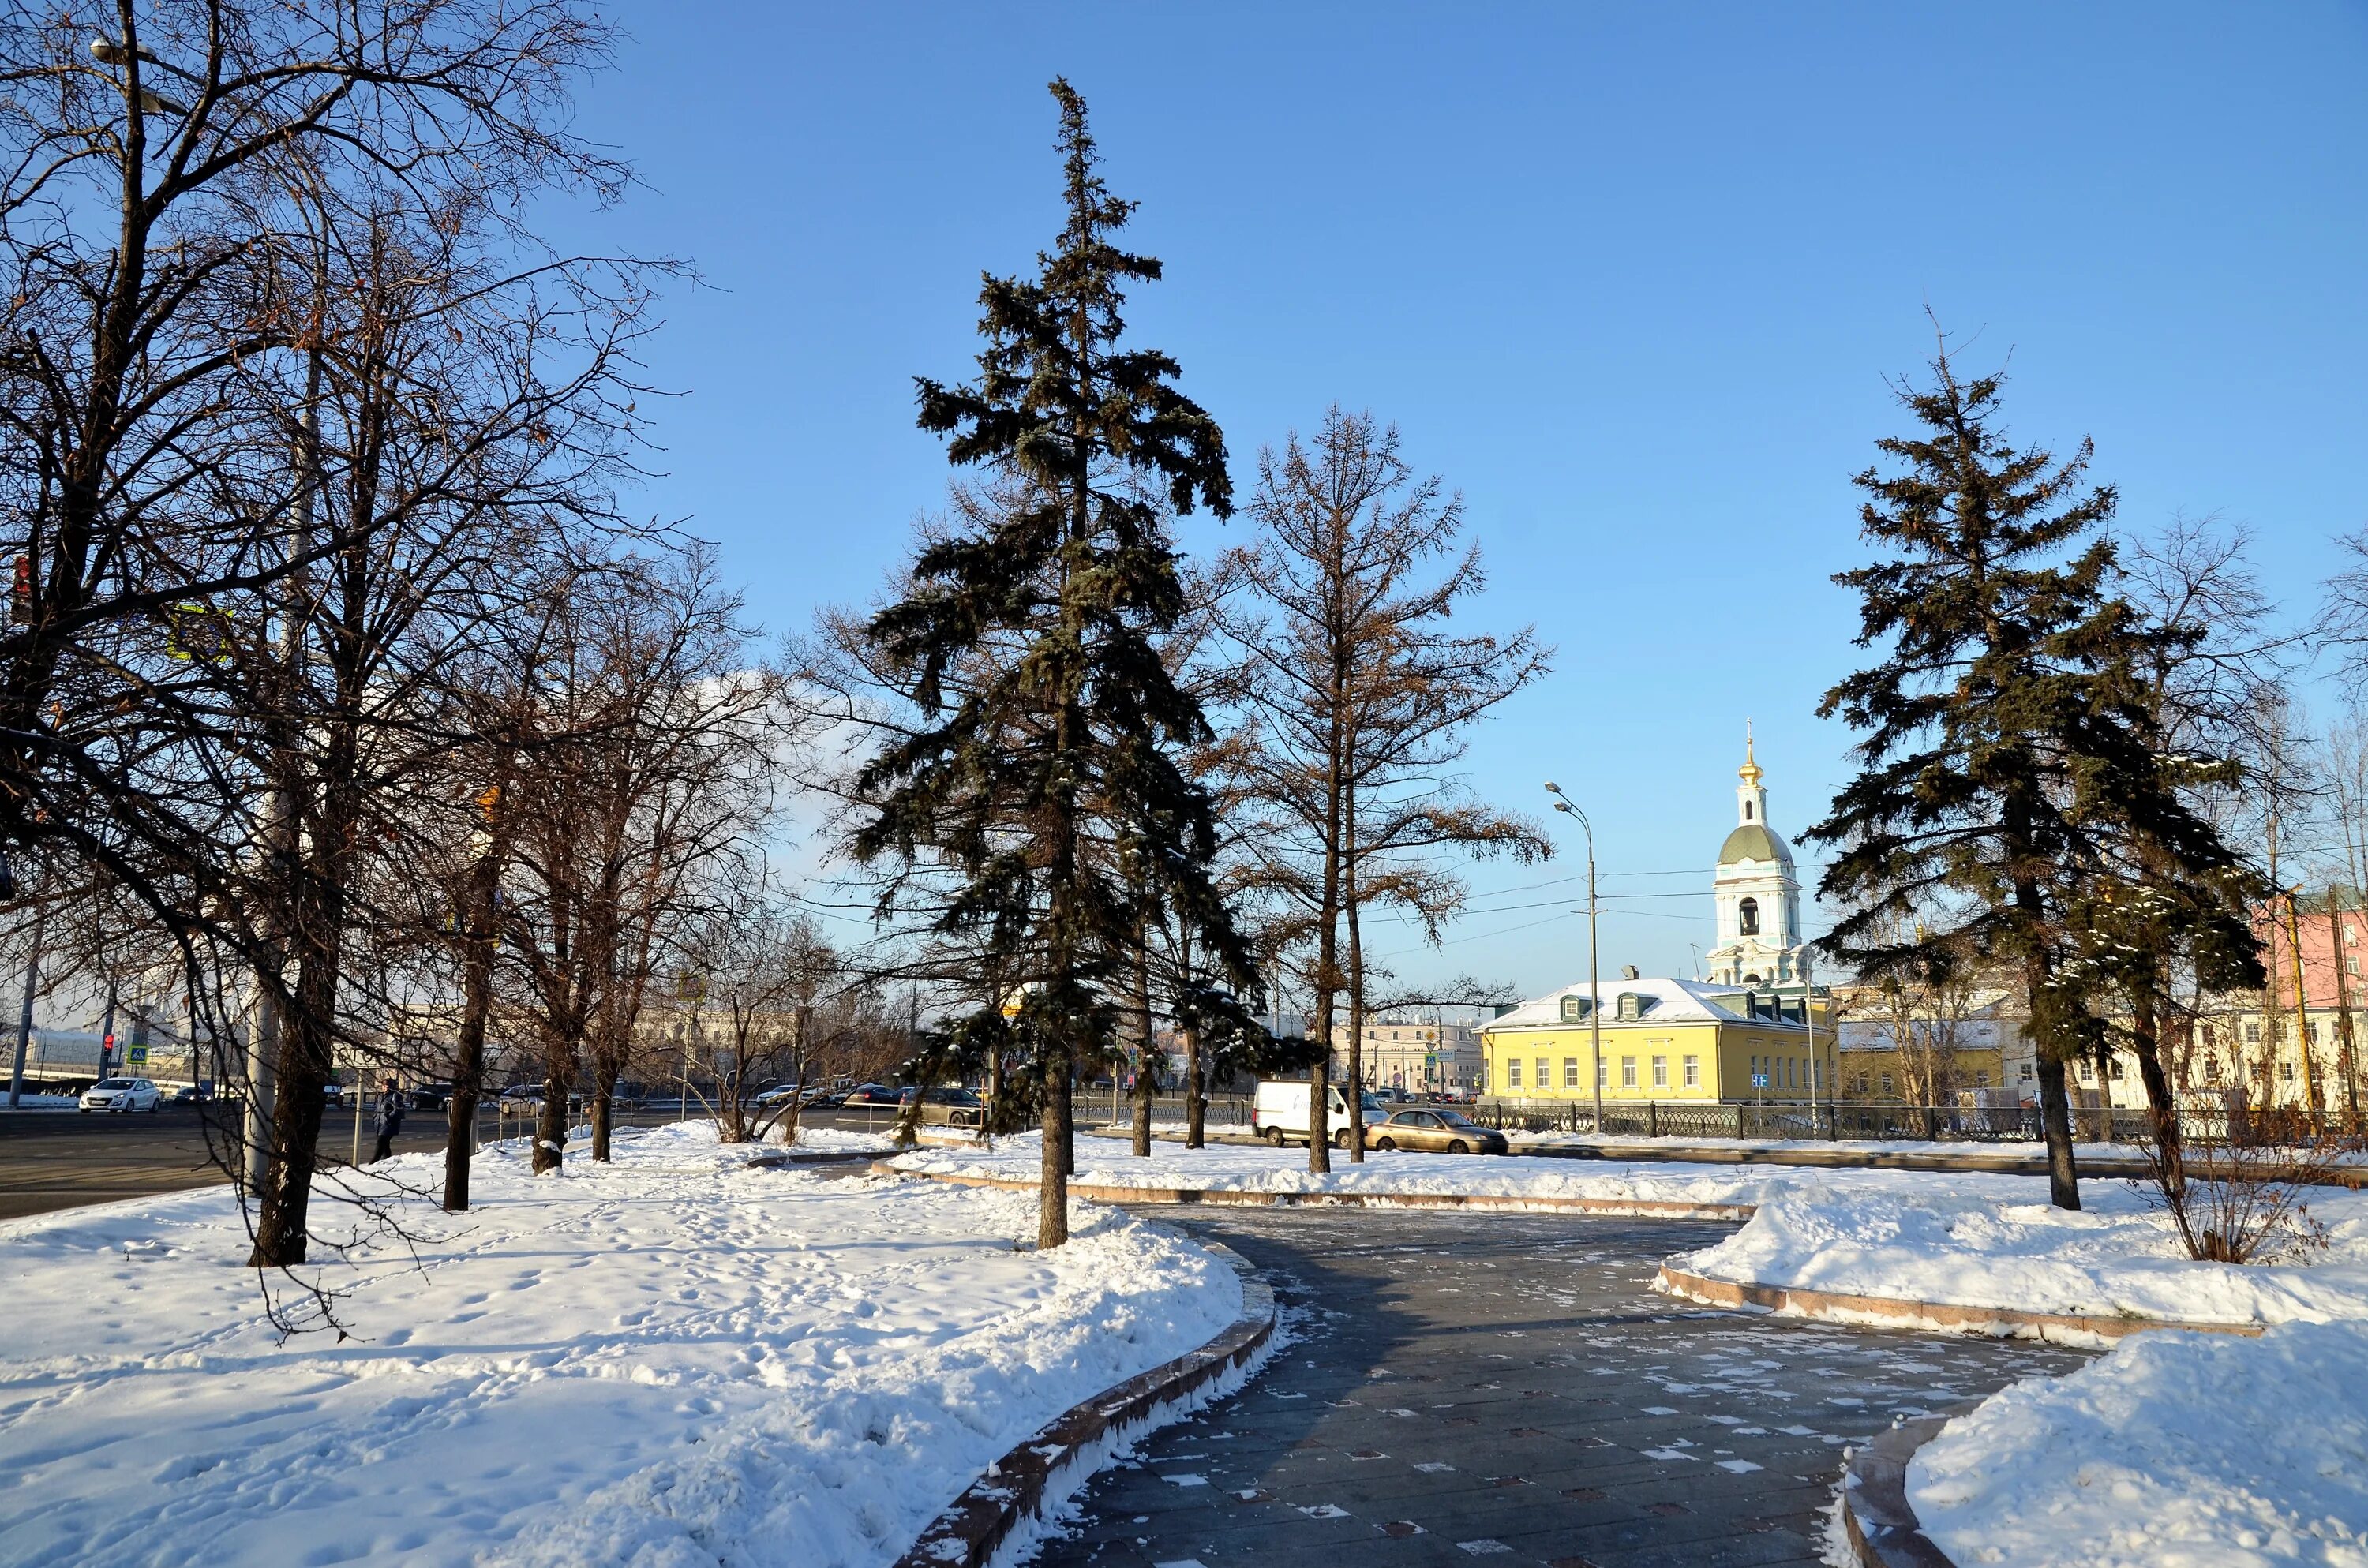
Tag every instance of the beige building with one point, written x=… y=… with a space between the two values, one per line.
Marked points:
x=1421 y=1056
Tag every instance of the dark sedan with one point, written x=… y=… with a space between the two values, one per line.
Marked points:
x=1432 y=1130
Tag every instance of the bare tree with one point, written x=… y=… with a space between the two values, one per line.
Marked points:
x=652 y=770
x=1356 y=699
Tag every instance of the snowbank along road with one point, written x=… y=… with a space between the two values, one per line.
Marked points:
x=1506 y=1389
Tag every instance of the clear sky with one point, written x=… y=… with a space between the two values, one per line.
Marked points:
x=1631 y=278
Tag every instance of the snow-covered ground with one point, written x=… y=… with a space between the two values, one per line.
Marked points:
x=2176 y=1450
x=1949 y=1239
x=1943 y=1147
x=1233 y=1167
x=670 y=1361
x=39 y=1102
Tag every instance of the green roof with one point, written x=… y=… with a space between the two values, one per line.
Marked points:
x=1751 y=842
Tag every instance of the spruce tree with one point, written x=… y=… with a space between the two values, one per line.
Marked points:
x=2009 y=774
x=1042 y=778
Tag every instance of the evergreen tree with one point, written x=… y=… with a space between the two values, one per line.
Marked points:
x=2010 y=772
x=1047 y=786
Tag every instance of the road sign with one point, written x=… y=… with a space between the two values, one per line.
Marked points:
x=136 y=1056
x=1759 y=1080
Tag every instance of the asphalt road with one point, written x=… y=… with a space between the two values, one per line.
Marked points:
x=1504 y=1388
x=53 y=1160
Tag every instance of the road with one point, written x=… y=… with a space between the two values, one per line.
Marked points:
x=53 y=1160
x=1504 y=1388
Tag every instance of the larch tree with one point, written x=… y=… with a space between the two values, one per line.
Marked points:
x=1019 y=785
x=1355 y=693
x=2010 y=759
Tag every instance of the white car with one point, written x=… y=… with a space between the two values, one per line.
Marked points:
x=121 y=1094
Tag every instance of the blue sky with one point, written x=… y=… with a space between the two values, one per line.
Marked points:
x=1631 y=277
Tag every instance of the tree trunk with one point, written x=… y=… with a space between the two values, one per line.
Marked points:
x=604 y=1110
x=285 y=1200
x=1196 y=1098
x=2056 y=1122
x=1053 y=1171
x=2162 y=1111
x=307 y=1039
x=1356 y=1063
x=468 y=1054
x=551 y=1118
x=1146 y=1081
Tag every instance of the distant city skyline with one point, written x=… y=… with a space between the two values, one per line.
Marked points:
x=1633 y=280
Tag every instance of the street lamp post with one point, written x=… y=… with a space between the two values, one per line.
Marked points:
x=1594 y=992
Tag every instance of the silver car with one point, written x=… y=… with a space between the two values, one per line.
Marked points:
x=121 y=1094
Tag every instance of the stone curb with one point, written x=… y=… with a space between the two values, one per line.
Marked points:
x=1884 y=1312
x=1609 y=1208
x=1881 y=1523
x=1004 y=1509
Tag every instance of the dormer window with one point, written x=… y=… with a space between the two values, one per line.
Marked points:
x=1631 y=1005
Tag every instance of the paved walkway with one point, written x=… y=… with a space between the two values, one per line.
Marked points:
x=1505 y=1389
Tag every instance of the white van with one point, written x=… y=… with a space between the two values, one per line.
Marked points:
x=1279 y=1115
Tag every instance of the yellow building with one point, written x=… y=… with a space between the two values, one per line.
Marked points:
x=1663 y=1040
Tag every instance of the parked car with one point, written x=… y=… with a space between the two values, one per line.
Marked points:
x=1278 y=1113
x=521 y=1099
x=119 y=1094
x=430 y=1096
x=873 y=1095
x=778 y=1094
x=950 y=1107
x=1438 y=1131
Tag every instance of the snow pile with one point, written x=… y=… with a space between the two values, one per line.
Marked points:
x=2176 y=1450
x=41 y=1102
x=1948 y=1239
x=1235 y=1167
x=676 y=1359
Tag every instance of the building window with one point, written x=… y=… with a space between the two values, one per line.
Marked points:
x=1629 y=1005
x=2352 y=962
x=2285 y=1070
x=1513 y=1073
x=2029 y=1070
x=1694 y=1072
x=1747 y=915
x=1627 y=1071
x=2113 y=1069
x=1602 y=1073
x=1570 y=1071
x=2252 y=1032
x=2211 y=1069
x=1660 y=1072
x=1981 y=1080
x=1887 y=1083
x=1747 y=811
x=2088 y=1070
x=1861 y=1083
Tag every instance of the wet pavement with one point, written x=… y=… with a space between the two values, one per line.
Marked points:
x=1506 y=1389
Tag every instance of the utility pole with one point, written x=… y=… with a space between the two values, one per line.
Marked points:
x=1594 y=981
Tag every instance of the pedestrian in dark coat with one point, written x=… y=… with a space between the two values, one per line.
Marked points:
x=390 y=1120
